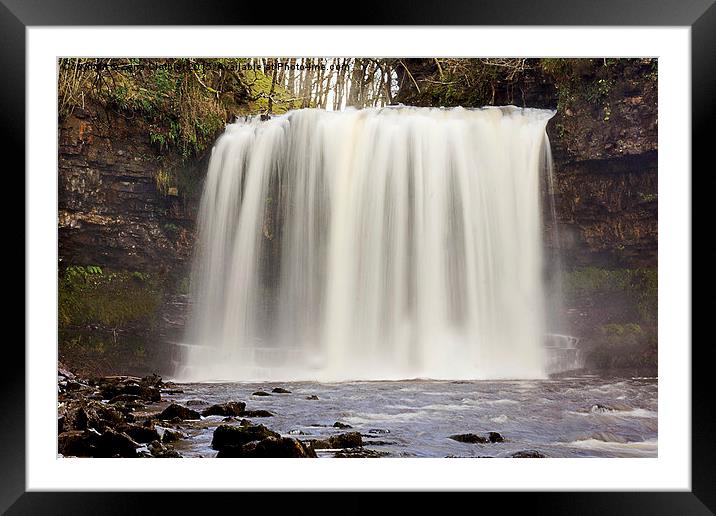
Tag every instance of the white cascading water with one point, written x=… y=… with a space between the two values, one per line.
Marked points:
x=371 y=244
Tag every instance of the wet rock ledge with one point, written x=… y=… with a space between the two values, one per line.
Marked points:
x=125 y=416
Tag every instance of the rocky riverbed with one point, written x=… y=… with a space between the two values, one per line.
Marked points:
x=580 y=416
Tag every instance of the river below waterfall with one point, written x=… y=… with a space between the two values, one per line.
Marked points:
x=578 y=416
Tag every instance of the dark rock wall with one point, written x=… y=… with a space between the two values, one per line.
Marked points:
x=111 y=211
x=115 y=212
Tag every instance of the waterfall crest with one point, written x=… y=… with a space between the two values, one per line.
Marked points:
x=371 y=244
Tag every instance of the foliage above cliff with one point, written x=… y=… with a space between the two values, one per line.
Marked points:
x=605 y=107
x=184 y=103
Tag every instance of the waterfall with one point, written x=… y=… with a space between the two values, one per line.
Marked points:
x=371 y=244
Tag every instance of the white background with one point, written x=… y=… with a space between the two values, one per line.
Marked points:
x=671 y=470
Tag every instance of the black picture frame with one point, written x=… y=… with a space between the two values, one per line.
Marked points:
x=17 y=15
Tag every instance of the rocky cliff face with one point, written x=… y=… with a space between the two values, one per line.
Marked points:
x=117 y=211
x=112 y=210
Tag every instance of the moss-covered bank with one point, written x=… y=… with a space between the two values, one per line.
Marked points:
x=615 y=312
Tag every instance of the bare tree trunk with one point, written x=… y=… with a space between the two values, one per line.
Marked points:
x=354 y=95
x=388 y=72
x=291 y=84
x=307 y=84
x=274 y=76
x=340 y=81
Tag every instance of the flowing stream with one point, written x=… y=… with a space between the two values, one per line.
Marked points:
x=379 y=244
x=578 y=416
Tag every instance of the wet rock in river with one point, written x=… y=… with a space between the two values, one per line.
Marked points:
x=175 y=411
x=112 y=444
x=378 y=431
x=256 y=413
x=280 y=390
x=260 y=393
x=348 y=440
x=379 y=443
x=528 y=454
x=141 y=434
x=77 y=443
x=270 y=447
x=91 y=443
x=470 y=438
x=599 y=408
x=312 y=397
x=124 y=398
x=170 y=436
x=160 y=451
x=145 y=388
x=231 y=408
x=338 y=424
x=496 y=437
x=359 y=453
x=83 y=414
x=228 y=435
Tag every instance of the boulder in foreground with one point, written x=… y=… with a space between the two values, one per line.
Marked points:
x=347 y=440
x=470 y=438
x=231 y=408
x=177 y=411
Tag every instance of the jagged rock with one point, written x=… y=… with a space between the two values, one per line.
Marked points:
x=91 y=443
x=260 y=393
x=127 y=407
x=170 y=436
x=280 y=390
x=470 y=438
x=112 y=386
x=528 y=454
x=348 y=440
x=83 y=414
x=359 y=453
x=124 y=398
x=379 y=443
x=256 y=413
x=270 y=447
x=112 y=444
x=77 y=443
x=227 y=435
x=63 y=371
x=312 y=397
x=193 y=403
x=338 y=424
x=495 y=437
x=71 y=385
x=160 y=451
x=231 y=408
x=175 y=411
x=141 y=434
x=378 y=431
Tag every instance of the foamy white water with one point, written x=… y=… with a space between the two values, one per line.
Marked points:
x=374 y=244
